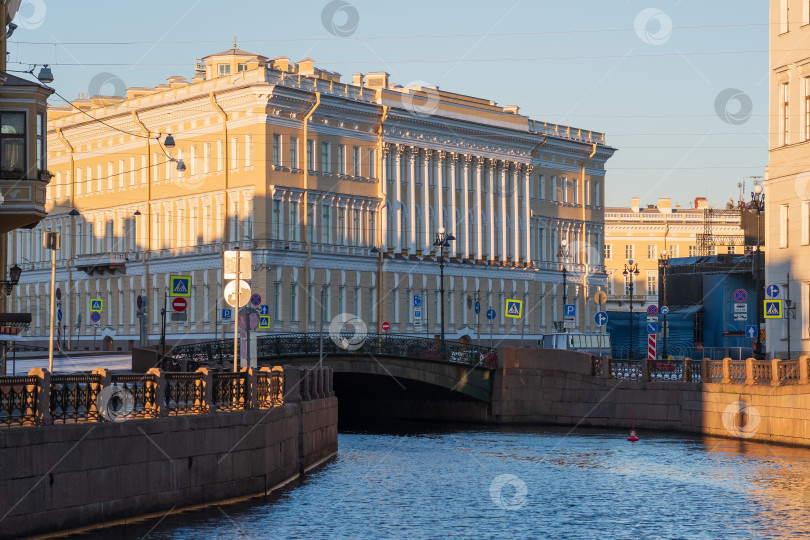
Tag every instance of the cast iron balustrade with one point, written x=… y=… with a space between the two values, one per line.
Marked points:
x=626 y=369
x=230 y=391
x=18 y=400
x=694 y=371
x=269 y=389
x=666 y=370
x=185 y=393
x=74 y=398
x=139 y=402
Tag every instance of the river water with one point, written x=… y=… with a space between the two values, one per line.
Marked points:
x=424 y=481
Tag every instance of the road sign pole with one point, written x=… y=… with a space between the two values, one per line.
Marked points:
x=53 y=308
x=236 y=315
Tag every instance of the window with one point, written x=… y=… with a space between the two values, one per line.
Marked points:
x=12 y=141
x=341 y=299
x=293 y=224
x=294 y=302
x=652 y=284
x=224 y=69
x=783 y=16
x=275 y=231
x=564 y=188
x=248 y=150
x=293 y=152
x=785 y=116
x=629 y=251
x=310 y=303
x=356 y=161
x=220 y=156
x=730 y=250
x=276 y=149
x=576 y=191
x=341 y=227
x=310 y=220
x=542 y=188
x=627 y=282
x=693 y=251
x=554 y=197
x=207 y=158
x=310 y=155
x=326 y=224
x=805 y=227
x=783 y=226
x=241 y=67
x=372 y=164
x=234 y=153
x=41 y=150
x=674 y=251
x=357 y=302
x=325 y=303
x=276 y=301
x=325 y=157
x=192 y=161
x=608 y=251
x=342 y=161
x=652 y=251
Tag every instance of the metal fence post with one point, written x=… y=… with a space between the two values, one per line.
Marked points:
x=159 y=406
x=208 y=389
x=43 y=412
x=251 y=398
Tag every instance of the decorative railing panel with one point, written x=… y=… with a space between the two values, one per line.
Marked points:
x=715 y=374
x=762 y=373
x=133 y=396
x=694 y=371
x=229 y=392
x=666 y=371
x=736 y=370
x=74 y=398
x=788 y=372
x=626 y=369
x=18 y=400
x=269 y=389
x=185 y=393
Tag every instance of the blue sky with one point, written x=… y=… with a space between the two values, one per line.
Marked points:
x=680 y=88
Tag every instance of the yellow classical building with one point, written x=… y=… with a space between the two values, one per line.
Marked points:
x=337 y=189
x=787 y=184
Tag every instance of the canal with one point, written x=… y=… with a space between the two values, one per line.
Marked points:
x=422 y=481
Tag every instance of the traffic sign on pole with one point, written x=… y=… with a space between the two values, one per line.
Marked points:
x=751 y=331
x=385 y=326
x=96 y=304
x=491 y=314
x=651 y=348
x=652 y=310
x=264 y=309
x=477 y=307
x=664 y=310
x=652 y=328
x=514 y=308
x=179 y=305
x=256 y=299
x=180 y=286
x=772 y=291
x=601 y=318
x=773 y=309
x=570 y=310
x=227 y=313
x=95 y=316
x=740 y=295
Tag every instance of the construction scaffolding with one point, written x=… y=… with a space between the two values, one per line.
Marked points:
x=707 y=242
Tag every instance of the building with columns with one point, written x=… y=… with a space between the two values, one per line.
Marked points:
x=337 y=189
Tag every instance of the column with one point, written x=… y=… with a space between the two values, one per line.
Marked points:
x=383 y=214
x=514 y=175
x=490 y=172
x=527 y=212
x=465 y=171
x=503 y=171
x=398 y=200
x=440 y=156
x=412 y=200
x=479 y=253
x=451 y=185
x=426 y=198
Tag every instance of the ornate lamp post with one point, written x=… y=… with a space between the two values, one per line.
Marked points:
x=757 y=206
x=442 y=241
x=631 y=270
x=13 y=279
x=663 y=264
x=563 y=254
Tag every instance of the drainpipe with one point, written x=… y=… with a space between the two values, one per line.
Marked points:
x=382 y=196
x=148 y=214
x=70 y=260
x=305 y=205
x=226 y=225
x=583 y=252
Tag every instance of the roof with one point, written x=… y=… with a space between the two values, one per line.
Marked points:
x=236 y=52
x=13 y=80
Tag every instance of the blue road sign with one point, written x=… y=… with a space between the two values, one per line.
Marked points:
x=96 y=304
x=652 y=327
x=264 y=309
x=180 y=286
x=256 y=299
x=664 y=310
x=477 y=307
x=772 y=291
x=417 y=300
x=226 y=313
x=139 y=302
x=58 y=293
x=417 y=313
x=59 y=315
x=95 y=316
x=601 y=318
x=750 y=331
x=740 y=295
x=570 y=310
x=490 y=314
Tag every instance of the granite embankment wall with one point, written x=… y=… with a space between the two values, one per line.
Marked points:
x=558 y=387
x=58 y=478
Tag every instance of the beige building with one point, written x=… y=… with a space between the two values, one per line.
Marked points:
x=337 y=189
x=646 y=233
x=787 y=184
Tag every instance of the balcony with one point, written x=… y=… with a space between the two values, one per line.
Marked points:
x=104 y=263
x=24 y=204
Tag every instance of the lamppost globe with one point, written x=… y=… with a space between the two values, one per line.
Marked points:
x=758 y=189
x=564 y=242
x=664 y=253
x=441 y=230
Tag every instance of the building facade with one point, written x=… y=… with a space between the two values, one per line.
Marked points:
x=337 y=189
x=787 y=184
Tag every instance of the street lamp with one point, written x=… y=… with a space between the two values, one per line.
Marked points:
x=757 y=206
x=564 y=254
x=13 y=278
x=442 y=241
x=663 y=263
x=631 y=270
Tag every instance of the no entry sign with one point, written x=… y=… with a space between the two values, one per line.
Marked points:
x=385 y=326
x=179 y=304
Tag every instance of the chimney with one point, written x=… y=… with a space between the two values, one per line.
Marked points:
x=357 y=79
x=377 y=80
x=634 y=204
x=701 y=202
x=306 y=66
x=677 y=207
x=665 y=205
x=511 y=109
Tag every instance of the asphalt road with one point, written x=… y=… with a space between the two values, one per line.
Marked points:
x=70 y=364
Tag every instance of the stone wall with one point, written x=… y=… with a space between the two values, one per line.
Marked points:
x=558 y=387
x=57 y=478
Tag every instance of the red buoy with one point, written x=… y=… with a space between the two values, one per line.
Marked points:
x=633 y=437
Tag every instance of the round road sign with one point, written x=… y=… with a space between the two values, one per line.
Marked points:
x=58 y=293
x=385 y=326
x=230 y=293
x=139 y=302
x=652 y=310
x=490 y=314
x=256 y=299
x=179 y=304
x=664 y=310
x=600 y=297
x=740 y=295
x=95 y=316
x=477 y=307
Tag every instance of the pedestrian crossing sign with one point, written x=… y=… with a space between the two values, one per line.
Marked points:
x=264 y=321
x=180 y=286
x=96 y=304
x=773 y=309
x=514 y=309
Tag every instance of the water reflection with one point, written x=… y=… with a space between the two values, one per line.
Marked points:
x=425 y=481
